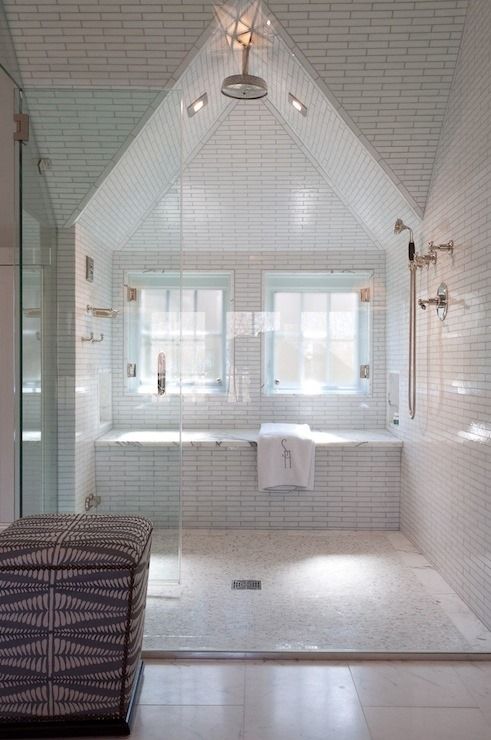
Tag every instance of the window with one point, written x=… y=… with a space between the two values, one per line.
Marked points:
x=320 y=338
x=188 y=326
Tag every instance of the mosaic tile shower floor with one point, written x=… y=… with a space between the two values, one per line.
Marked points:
x=321 y=591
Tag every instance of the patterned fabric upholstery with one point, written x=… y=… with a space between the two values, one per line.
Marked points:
x=72 y=603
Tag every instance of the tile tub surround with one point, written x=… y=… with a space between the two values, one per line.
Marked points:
x=321 y=591
x=357 y=480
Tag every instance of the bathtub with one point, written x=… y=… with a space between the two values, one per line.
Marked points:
x=357 y=480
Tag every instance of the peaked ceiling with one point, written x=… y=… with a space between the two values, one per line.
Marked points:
x=150 y=165
x=387 y=66
x=390 y=65
x=251 y=188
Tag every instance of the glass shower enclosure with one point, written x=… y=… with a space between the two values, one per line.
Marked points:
x=101 y=403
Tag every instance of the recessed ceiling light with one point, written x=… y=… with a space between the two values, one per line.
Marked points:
x=197 y=105
x=297 y=104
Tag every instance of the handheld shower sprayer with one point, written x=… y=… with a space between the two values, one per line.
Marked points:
x=399 y=227
x=441 y=301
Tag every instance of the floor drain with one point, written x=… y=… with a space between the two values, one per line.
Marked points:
x=246 y=585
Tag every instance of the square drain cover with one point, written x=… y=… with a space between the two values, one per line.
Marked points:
x=246 y=584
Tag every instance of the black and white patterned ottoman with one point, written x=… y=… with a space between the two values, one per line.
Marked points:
x=72 y=605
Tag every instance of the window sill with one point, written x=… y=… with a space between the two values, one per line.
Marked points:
x=176 y=393
x=323 y=394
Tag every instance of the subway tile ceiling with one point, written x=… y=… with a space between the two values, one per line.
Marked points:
x=385 y=66
x=389 y=64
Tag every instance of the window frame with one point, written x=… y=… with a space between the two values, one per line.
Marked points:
x=328 y=281
x=168 y=280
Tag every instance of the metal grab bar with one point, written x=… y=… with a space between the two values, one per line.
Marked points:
x=411 y=387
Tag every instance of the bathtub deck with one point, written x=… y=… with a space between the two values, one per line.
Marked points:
x=237 y=438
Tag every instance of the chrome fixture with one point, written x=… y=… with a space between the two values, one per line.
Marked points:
x=197 y=105
x=89 y=269
x=244 y=86
x=422 y=260
x=445 y=247
x=415 y=261
x=399 y=227
x=43 y=164
x=440 y=302
x=240 y=28
x=91 y=501
x=103 y=313
x=161 y=370
x=297 y=104
x=91 y=338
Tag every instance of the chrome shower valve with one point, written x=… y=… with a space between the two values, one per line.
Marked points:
x=440 y=301
x=445 y=247
x=422 y=260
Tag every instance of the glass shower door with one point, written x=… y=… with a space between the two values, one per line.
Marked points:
x=39 y=421
x=101 y=418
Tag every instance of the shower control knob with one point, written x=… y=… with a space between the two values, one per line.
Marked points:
x=440 y=302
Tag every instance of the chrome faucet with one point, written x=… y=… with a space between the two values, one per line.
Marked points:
x=161 y=374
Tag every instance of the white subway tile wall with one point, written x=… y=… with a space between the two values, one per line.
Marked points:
x=446 y=460
x=355 y=488
x=79 y=362
x=244 y=406
x=252 y=185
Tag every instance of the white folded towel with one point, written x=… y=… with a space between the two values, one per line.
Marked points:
x=285 y=457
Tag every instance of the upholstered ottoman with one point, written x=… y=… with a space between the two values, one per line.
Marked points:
x=72 y=604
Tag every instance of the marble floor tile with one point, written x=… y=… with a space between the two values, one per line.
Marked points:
x=188 y=723
x=302 y=702
x=198 y=683
x=432 y=580
x=401 y=684
x=477 y=678
x=470 y=626
x=335 y=591
x=426 y=723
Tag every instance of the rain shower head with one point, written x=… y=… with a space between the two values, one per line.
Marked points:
x=244 y=87
x=241 y=31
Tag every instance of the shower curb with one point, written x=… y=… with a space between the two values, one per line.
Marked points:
x=337 y=656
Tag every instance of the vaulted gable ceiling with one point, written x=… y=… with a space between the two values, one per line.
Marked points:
x=389 y=64
x=83 y=132
x=116 y=179
x=251 y=188
x=149 y=166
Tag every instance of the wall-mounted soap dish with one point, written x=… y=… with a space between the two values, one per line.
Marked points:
x=102 y=313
